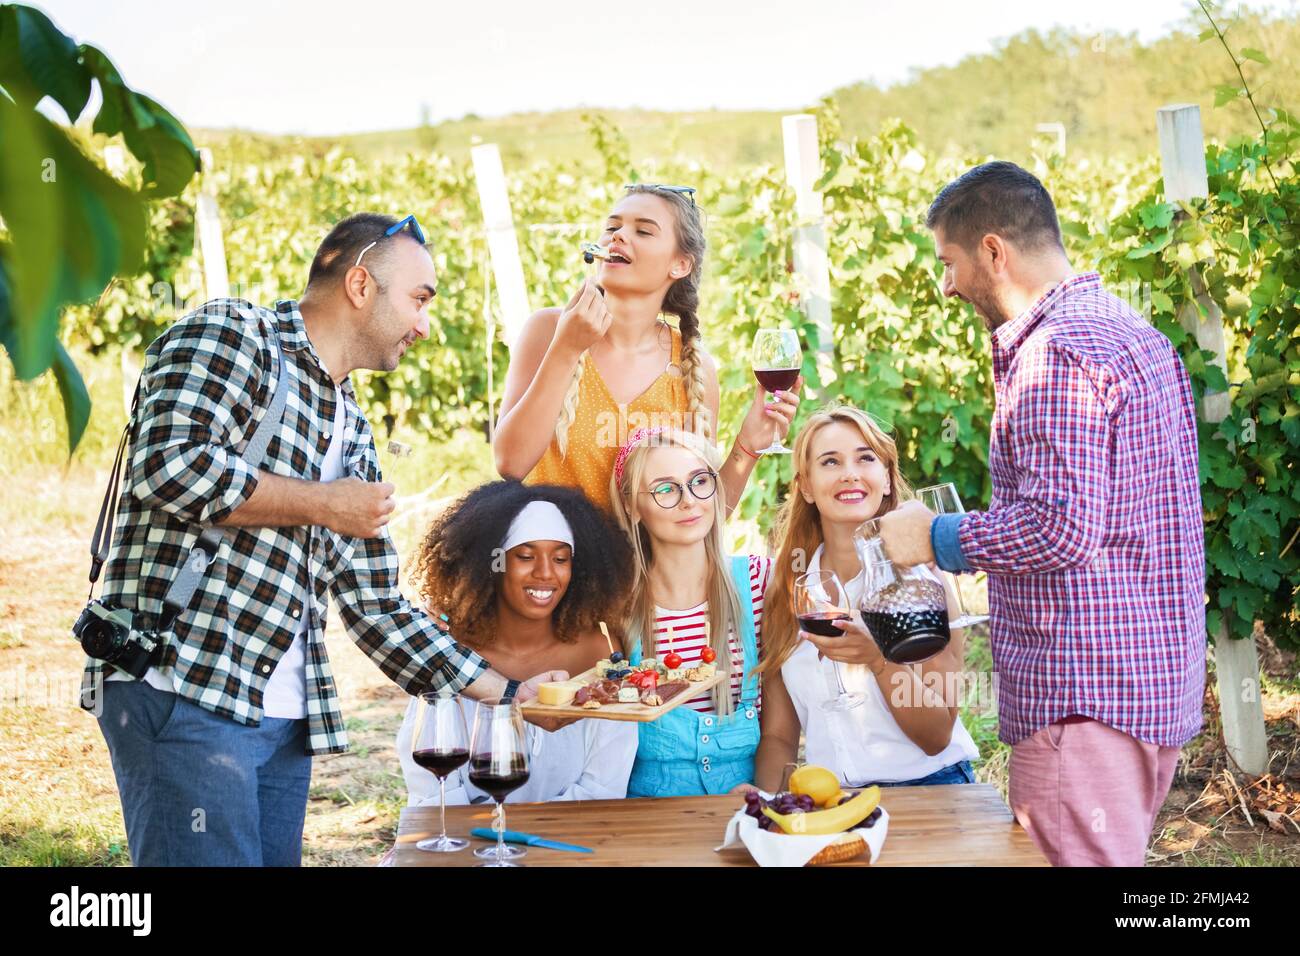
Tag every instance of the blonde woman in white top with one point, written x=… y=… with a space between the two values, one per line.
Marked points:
x=907 y=730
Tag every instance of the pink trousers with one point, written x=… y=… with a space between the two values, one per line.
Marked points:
x=1088 y=794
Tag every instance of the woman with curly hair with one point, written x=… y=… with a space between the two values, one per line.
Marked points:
x=584 y=376
x=525 y=575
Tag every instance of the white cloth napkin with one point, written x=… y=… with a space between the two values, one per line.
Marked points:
x=773 y=848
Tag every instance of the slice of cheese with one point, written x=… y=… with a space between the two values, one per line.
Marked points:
x=556 y=693
x=628 y=695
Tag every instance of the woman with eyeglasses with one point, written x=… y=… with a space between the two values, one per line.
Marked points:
x=692 y=601
x=583 y=376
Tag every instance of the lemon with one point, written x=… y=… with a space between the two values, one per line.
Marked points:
x=816 y=782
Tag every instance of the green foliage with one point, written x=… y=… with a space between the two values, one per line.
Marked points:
x=70 y=226
x=918 y=362
x=1243 y=240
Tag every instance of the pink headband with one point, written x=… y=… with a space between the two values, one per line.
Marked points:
x=638 y=436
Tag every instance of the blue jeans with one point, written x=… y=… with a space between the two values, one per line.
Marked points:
x=959 y=772
x=199 y=789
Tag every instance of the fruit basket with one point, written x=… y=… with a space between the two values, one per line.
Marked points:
x=787 y=829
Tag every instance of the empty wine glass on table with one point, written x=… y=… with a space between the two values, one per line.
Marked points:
x=498 y=765
x=943 y=500
x=819 y=601
x=777 y=359
x=441 y=746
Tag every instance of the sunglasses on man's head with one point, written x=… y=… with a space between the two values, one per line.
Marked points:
x=687 y=191
x=393 y=230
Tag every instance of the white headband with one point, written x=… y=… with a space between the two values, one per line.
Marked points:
x=538 y=521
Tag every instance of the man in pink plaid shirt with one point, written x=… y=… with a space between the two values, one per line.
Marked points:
x=1093 y=541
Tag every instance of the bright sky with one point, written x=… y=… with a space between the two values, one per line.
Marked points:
x=325 y=66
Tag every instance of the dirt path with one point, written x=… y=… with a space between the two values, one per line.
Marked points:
x=58 y=798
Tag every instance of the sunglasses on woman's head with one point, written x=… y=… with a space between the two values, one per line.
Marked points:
x=687 y=191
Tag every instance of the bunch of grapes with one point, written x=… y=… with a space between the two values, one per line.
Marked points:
x=786 y=803
x=783 y=803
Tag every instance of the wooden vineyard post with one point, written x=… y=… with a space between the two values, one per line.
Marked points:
x=803 y=167
x=503 y=244
x=212 y=246
x=1182 y=156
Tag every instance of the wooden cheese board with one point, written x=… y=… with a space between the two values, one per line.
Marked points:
x=619 y=711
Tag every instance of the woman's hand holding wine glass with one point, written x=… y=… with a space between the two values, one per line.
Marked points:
x=820 y=604
x=768 y=423
x=777 y=358
x=854 y=646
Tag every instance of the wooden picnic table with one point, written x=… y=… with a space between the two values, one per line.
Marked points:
x=953 y=825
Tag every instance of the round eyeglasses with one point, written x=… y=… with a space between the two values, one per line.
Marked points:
x=668 y=493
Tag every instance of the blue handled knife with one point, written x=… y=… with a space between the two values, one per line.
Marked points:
x=528 y=839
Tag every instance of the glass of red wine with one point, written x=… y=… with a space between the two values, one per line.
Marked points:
x=777 y=359
x=819 y=601
x=441 y=746
x=498 y=765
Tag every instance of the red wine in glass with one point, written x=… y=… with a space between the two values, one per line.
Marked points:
x=822 y=623
x=776 y=379
x=819 y=600
x=776 y=357
x=497 y=777
x=440 y=745
x=498 y=765
x=441 y=763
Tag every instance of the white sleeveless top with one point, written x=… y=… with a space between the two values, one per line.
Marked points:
x=863 y=745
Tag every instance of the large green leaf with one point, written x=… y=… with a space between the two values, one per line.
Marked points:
x=76 y=400
x=155 y=136
x=72 y=227
x=37 y=59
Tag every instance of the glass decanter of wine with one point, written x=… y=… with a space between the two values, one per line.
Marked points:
x=904 y=608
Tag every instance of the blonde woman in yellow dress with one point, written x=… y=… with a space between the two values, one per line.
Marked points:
x=583 y=377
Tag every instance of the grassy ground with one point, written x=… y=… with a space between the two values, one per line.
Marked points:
x=58 y=800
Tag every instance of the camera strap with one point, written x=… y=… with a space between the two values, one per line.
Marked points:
x=205 y=550
x=108 y=510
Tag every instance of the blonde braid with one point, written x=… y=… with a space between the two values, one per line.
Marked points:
x=569 y=410
x=693 y=376
x=683 y=300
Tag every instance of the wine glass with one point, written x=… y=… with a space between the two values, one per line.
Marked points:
x=777 y=359
x=819 y=601
x=440 y=745
x=944 y=500
x=498 y=764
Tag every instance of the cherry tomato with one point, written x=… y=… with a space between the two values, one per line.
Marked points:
x=672 y=660
x=708 y=656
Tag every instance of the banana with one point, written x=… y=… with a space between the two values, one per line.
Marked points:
x=835 y=820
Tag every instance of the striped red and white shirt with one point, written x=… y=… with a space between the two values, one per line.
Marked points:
x=688 y=634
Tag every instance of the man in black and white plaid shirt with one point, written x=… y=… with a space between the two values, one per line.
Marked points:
x=212 y=749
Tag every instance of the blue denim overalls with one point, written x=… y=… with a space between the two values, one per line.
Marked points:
x=685 y=753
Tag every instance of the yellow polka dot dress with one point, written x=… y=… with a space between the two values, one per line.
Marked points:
x=600 y=427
